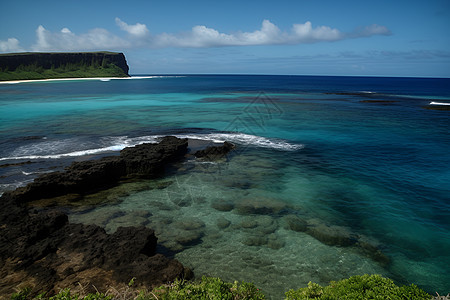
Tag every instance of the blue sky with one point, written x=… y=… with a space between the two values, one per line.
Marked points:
x=304 y=37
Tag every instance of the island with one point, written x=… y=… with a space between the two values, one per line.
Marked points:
x=51 y=65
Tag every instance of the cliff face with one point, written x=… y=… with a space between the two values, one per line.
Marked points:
x=64 y=62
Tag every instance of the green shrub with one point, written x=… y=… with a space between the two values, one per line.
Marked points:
x=207 y=288
x=359 y=287
x=65 y=294
x=356 y=287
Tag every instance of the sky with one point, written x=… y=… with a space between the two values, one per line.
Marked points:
x=297 y=37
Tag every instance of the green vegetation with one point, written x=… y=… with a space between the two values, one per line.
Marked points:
x=359 y=287
x=30 y=65
x=356 y=287
x=207 y=288
x=63 y=295
x=66 y=71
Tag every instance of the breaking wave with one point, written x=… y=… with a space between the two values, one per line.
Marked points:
x=46 y=150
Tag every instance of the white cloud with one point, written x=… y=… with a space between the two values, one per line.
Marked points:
x=138 y=30
x=10 y=45
x=198 y=37
x=66 y=40
x=269 y=34
x=66 y=30
x=305 y=33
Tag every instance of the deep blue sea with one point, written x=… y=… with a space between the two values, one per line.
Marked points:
x=331 y=176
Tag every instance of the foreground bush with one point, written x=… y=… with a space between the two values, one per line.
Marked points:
x=207 y=288
x=359 y=287
x=63 y=295
x=356 y=287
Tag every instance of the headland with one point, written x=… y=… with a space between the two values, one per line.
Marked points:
x=34 y=66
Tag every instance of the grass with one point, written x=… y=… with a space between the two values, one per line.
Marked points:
x=207 y=288
x=68 y=71
x=359 y=287
x=355 y=287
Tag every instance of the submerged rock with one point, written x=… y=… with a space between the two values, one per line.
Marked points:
x=371 y=249
x=190 y=224
x=126 y=221
x=222 y=205
x=249 y=223
x=294 y=223
x=189 y=237
x=331 y=235
x=254 y=240
x=100 y=216
x=215 y=152
x=223 y=223
x=274 y=242
x=259 y=206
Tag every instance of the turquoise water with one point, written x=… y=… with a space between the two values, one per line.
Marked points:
x=331 y=177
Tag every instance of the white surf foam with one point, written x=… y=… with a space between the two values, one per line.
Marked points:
x=439 y=103
x=70 y=154
x=246 y=139
x=121 y=142
x=32 y=173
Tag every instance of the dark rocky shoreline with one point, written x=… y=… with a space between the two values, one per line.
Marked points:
x=43 y=250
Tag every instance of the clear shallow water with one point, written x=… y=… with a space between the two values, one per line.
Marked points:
x=351 y=157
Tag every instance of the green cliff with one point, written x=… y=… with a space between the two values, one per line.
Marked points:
x=35 y=65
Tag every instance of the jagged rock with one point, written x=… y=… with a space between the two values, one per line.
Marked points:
x=215 y=152
x=43 y=249
x=145 y=160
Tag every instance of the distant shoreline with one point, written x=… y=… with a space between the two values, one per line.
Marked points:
x=75 y=78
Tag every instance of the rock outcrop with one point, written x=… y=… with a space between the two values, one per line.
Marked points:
x=42 y=250
x=145 y=160
x=215 y=152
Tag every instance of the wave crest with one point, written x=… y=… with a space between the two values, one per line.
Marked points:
x=115 y=144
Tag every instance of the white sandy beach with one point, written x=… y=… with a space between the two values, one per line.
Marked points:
x=439 y=103
x=81 y=78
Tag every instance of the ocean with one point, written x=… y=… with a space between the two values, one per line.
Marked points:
x=331 y=176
